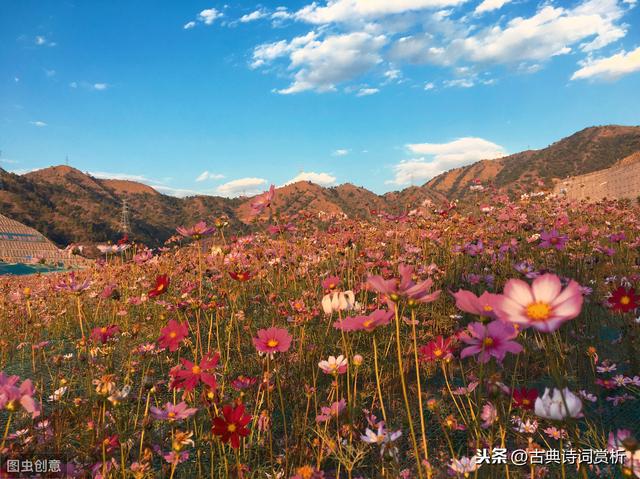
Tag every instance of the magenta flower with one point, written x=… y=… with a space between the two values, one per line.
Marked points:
x=272 y=340
x=104 y=333
x=70 y=285
x=405 y=286
x=492 y=340
x=470 y=303
x=173 y=412
x=553 y=239
x=12 y=395
x=543 y=305
x=368 y=323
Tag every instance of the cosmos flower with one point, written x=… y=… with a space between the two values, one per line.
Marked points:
x=470 y=303
x=243 y=382
x=162 y=284
x=241 y=276
x=232 y=425
x=553 y=239
x=71 y=285
x=438 y=349
x=326 y=413
x=193 y=373
x=173 y=412
x=338 y=301
x=13 y=396
x=368 y=323
x=623 y=300
x=172 y=335
x=524 y=398
x=259 y=204
x=334 y=365
x=464 y=466
x=330 y=283
x=558 y=405
x=544 y=305
x=272 y=340
x=197 y=231
x=492 y=340
x=382 y=437
x=104 y=333
x=404 y=287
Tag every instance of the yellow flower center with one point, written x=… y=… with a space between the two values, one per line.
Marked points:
x=526 y=402
x=487 y=308
x=367 y=323
x=160 y=287
x=488 y=342
x=171 y=414
x=196 y=369
x=538 y=311
x=625 y=300
x=172 y=334
x=437 y=352
x=272 y=343
x=231 y=427
x=103 y=330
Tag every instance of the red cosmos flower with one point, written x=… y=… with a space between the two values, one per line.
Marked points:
x=240 y=275
x=623 y=300
x=524 y=398
x=437 y=349
x=189 y=377
x=162 y=284
x=232 y=425
x=104 y=333
x=172 y=335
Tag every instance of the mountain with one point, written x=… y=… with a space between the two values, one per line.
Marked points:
x=68 y=206
x=586 y=151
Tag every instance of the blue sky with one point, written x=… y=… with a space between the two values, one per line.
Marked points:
x=201 y=96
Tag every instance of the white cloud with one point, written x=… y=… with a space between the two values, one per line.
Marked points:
x=206 y=175
x=490 y=5
x=350 y=10
x=429 y=86
x=443 y=157
x=340 y=152
x=40 y=40
x=104 y=175
x=189 y=25
x=253 y=16
x=320 y=64
x=209 y=15
x=100 y=86
x=241 y=187
x=367 y=91
x=551 y=31
x=38 y=123
x=609 y=68
x=322 y=179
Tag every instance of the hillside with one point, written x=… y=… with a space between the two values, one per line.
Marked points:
x=68 y=205
x=586 y=151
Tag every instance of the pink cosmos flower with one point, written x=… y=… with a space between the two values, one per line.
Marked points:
x=553 y=239
x=71 y=285
x=173 y=412
x=405 y=287
x=272 y=340
x=330 y=283
x=379 y=317
x=263 y=201
x=172 y=335
x=543 y=305
x=494 y=339
x=189 y=377
x=328 y=412
x=470 y=303
x=197 y=231
x=12 y=395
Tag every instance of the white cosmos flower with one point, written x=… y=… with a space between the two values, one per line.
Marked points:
x=559 y=405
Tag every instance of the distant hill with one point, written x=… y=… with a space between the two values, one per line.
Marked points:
x=68 y=205
x=589 y=150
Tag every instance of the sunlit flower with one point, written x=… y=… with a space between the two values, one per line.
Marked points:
x=173 y=334
x=558 y=405
x=193 y=373
x=544 y=305
x=623 y=300
x=162 y=283
x=272 y=340
x=173 y=412
x=232 y=425
x=334 y=365
x=438 y=349
x=492 y=340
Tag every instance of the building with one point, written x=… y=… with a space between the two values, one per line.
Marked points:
x=21 y=244
x=619 y=181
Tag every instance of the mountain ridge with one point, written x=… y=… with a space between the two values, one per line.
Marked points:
x=70 y=206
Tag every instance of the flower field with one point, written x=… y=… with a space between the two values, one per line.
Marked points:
x=327 y=347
